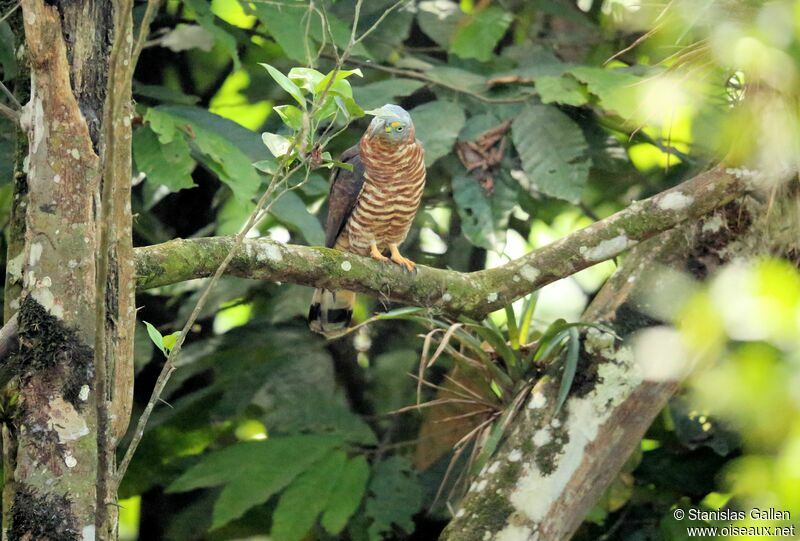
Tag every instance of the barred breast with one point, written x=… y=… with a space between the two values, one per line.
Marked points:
x=393 y=183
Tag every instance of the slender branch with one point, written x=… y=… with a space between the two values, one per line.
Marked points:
x=413 y=74
x=476 y=293
x=9 y=113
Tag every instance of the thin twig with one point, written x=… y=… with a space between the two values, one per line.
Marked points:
x=9 y=113
x=10 y=96
x=11 y=11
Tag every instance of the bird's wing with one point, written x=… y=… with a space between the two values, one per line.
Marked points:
x=345 y=188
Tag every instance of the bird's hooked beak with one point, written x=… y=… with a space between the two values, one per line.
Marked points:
x=377 y=126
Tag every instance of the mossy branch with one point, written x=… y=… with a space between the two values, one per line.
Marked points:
x=476 y=293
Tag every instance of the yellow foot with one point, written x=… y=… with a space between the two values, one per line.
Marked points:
x=376 y=254
x=400 y=260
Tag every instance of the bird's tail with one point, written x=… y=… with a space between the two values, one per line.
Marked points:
x=330 y=311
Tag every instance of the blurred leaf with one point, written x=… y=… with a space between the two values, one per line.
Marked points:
x=458 y=78
x=214 y=26
x=348 y=491
x=439 y=20
x=437 y=125
x=188 y=36
x=484 y=217
x=553 y=152
x=479 y=36
x=615 y=89
x=695 y=429
x=253 y=471
x=395 y=497
x=164 y=94
x=303 y=501
x=8 y=59
x=209 y=134
x=560 y=89
x=284 y=23
x=290 y=210
x=166 y=164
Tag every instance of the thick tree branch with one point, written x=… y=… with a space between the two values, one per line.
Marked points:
x=476 y=293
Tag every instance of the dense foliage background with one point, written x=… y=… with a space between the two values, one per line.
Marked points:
x=537 y=117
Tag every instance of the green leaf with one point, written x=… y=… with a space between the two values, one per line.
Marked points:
x=220 y=143
x=395 y=497
x=377 y=94
x=570 y=366
x=553 y=152
x=306 y=78
x=278 y=145
x=253 y=471
x=291 y=116
x=564 y=90
x=484 y=217
x=286 y=24
x=285 y=83
x=616 y=90
x=479 y=36
x=346 y=496
x=439 y=20
x=437 y=125
x=290 y=210
x=340 y=85
x=156 y=337
x=166 y=164
x=8 y=58
x=208 y=21
x=303 y=501
x=170 y=340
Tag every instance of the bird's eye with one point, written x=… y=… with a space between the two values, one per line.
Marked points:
x=399 y=128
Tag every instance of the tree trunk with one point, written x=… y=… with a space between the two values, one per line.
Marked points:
x=54 y=456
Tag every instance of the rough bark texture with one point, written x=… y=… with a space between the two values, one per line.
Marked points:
x=50 y=452
x=476 y=293
x=553 y=468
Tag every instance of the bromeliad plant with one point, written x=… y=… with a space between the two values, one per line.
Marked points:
x=494 y=370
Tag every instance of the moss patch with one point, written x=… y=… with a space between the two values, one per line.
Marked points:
x=46 y=342
x=41 y=517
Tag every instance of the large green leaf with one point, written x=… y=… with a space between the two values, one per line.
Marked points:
x=210 y=137
x=437 y=125
x=479 y=36
x=346 y=495
x=484 y=216
x=616 y=90
x=304 y=500
x=560 y=89
x=209 y=22
x=377 y=94
x=439 y=20
x=253 y=471
x=287 y=23
x=167 y=164
x=553 y=152
x=395 y=497
x=8 y=60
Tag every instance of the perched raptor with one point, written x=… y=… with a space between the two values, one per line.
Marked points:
x=370 y=209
